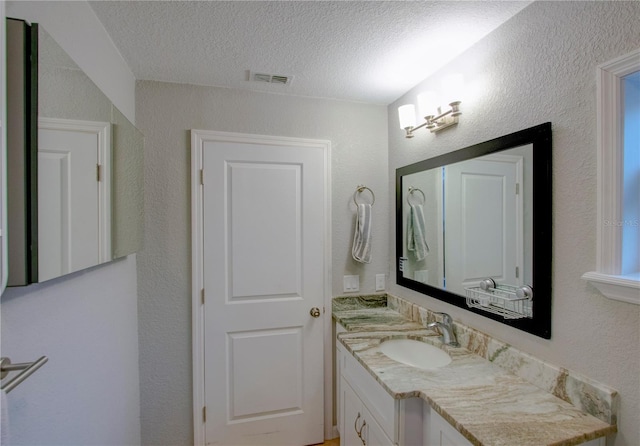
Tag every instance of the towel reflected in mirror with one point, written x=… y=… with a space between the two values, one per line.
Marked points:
x=416 y=240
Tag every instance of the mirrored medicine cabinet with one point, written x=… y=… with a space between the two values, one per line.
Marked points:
x=75 y=194
x=473 y=228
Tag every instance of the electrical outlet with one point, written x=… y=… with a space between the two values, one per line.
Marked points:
x=380 y=285
x=351 y=284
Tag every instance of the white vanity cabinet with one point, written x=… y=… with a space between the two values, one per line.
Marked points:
x=367 y=414
x=359 y=425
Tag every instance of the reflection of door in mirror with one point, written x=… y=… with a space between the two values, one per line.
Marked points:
x=73 y=196
x=483 y=214
x=478 y=222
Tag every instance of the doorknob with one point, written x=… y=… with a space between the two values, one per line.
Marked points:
x=315 y=312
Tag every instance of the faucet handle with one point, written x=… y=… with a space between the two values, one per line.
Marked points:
x=446 y=319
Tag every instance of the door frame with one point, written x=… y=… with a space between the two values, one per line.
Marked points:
x=198 y=139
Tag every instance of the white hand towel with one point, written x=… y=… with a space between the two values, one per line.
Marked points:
x=361 y=250
x=416 y=240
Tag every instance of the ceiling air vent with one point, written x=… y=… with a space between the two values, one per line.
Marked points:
x=271 y=78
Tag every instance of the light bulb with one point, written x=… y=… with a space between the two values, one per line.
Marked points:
x=407 y=116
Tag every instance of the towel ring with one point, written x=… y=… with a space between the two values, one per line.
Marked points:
x=359 y=190
x=415 y=189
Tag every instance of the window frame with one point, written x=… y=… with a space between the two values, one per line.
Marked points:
x=610 y=117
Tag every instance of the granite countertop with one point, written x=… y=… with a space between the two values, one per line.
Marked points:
x=487 y=404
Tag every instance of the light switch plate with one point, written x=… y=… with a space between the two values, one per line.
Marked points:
x=351 y=284
x=380 y=285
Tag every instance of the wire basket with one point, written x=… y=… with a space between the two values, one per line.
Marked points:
x=501 y=300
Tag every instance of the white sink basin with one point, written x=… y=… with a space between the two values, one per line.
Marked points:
x=415 y=353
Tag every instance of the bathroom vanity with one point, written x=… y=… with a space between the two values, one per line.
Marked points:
x=369 y=415
x=470 y=401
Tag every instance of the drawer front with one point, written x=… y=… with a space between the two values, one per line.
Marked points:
x=381 y=405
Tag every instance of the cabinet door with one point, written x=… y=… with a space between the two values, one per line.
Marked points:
x=438 y=432
x=372 y=433
x=352 y=416
x=359 y=426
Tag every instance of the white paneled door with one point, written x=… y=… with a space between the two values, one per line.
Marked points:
x=483 y=210
x=262 y=222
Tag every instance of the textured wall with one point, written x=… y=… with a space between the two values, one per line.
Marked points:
x=88 y=391
x=165 y=113
x=86 y=323
x=540 y=66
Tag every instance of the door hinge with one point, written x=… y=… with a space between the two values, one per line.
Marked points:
x=98 y=173
x=517 y=272
x=202 y=296
x=202 y=176
x=204 y=414
x=517 y=188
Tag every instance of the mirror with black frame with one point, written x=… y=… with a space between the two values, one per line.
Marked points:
x=473 y=228
x=86 y=171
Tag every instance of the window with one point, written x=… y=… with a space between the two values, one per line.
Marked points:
x=631 y=175
x=618 y=262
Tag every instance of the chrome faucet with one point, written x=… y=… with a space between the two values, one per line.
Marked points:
x=446 y=330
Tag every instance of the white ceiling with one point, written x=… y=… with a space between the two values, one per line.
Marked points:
x=367 y=51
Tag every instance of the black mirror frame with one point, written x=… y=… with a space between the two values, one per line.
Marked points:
x=540 y=137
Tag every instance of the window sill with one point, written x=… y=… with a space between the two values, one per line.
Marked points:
x=622 y=288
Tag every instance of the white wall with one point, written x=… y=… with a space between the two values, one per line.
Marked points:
x=165 y=113
x=88 y=391
x=86 y=323
x=541 y=66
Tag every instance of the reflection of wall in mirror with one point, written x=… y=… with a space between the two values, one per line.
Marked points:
x=128 y=187
x=526 y=190
x=64 y=90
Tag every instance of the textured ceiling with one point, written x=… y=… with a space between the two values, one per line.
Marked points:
x=368 y=51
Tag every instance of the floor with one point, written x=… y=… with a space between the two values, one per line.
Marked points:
x=334 y=442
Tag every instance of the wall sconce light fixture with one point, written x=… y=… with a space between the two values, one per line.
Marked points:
x=435 y=119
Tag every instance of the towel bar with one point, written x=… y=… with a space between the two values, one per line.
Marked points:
x=28 y=368
x=359 y=190
x=413 y=190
